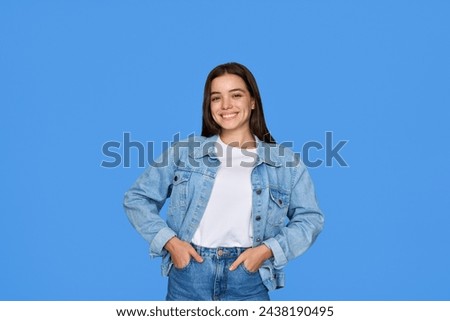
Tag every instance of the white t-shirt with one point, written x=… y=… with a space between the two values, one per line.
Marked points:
x=227 y=221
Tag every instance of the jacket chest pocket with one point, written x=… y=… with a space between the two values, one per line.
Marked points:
x=180 y=182
x=278 y=207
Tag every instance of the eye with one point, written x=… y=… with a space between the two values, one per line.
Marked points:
x=215 y=98
x=237 y=95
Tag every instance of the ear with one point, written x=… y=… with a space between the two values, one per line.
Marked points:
x=253 y=104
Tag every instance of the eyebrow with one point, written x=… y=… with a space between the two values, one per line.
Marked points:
x=232 y=90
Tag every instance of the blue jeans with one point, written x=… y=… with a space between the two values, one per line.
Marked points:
x=212 y=279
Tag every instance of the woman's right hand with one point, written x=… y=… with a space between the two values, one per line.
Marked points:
x=181 y=252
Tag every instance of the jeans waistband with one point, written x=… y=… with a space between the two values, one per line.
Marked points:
x=219 y=251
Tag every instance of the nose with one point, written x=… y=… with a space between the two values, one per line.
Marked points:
x=226 y=103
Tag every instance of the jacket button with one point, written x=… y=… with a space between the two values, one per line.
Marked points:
x=258 y=191
x=280 y=202
x=175 y=178
x=258 y=218
x=258 y=240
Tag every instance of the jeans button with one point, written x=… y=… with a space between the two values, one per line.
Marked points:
x=219 y=252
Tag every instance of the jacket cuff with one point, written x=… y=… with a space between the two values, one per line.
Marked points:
x=280 y=259
x=157 y=245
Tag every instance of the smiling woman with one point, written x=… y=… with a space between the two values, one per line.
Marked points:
x=231 y=107
x=237 y=83
x=239 y=212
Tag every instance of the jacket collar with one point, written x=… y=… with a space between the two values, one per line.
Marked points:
x=264 y=151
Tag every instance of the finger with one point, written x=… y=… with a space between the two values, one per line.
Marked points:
x=236 y=263
x=181 y=262
x=250 y=266
x=195 y=255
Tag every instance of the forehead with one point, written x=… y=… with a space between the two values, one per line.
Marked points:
x=227 y=82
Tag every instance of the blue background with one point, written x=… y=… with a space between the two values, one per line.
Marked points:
x=77 y=74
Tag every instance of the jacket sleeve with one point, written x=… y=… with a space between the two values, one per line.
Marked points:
x=144 y=200
x=305 y=220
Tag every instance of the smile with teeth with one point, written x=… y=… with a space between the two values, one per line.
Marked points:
x=229 y=116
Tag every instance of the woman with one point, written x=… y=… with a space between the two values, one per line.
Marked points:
x=240 y=207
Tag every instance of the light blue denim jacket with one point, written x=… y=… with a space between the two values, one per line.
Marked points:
x=285 y=213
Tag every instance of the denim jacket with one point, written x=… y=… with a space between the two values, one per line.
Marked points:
x=285 y=213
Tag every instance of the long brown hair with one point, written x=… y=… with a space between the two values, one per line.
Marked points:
x=257 y=122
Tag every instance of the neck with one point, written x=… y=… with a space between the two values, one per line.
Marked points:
x=241 y=140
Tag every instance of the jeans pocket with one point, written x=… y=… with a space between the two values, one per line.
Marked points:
x=246 y=270
x=184 y=268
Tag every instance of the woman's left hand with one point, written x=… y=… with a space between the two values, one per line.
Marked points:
x=252 y=258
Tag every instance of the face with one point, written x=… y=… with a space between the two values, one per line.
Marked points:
x=231 y=104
